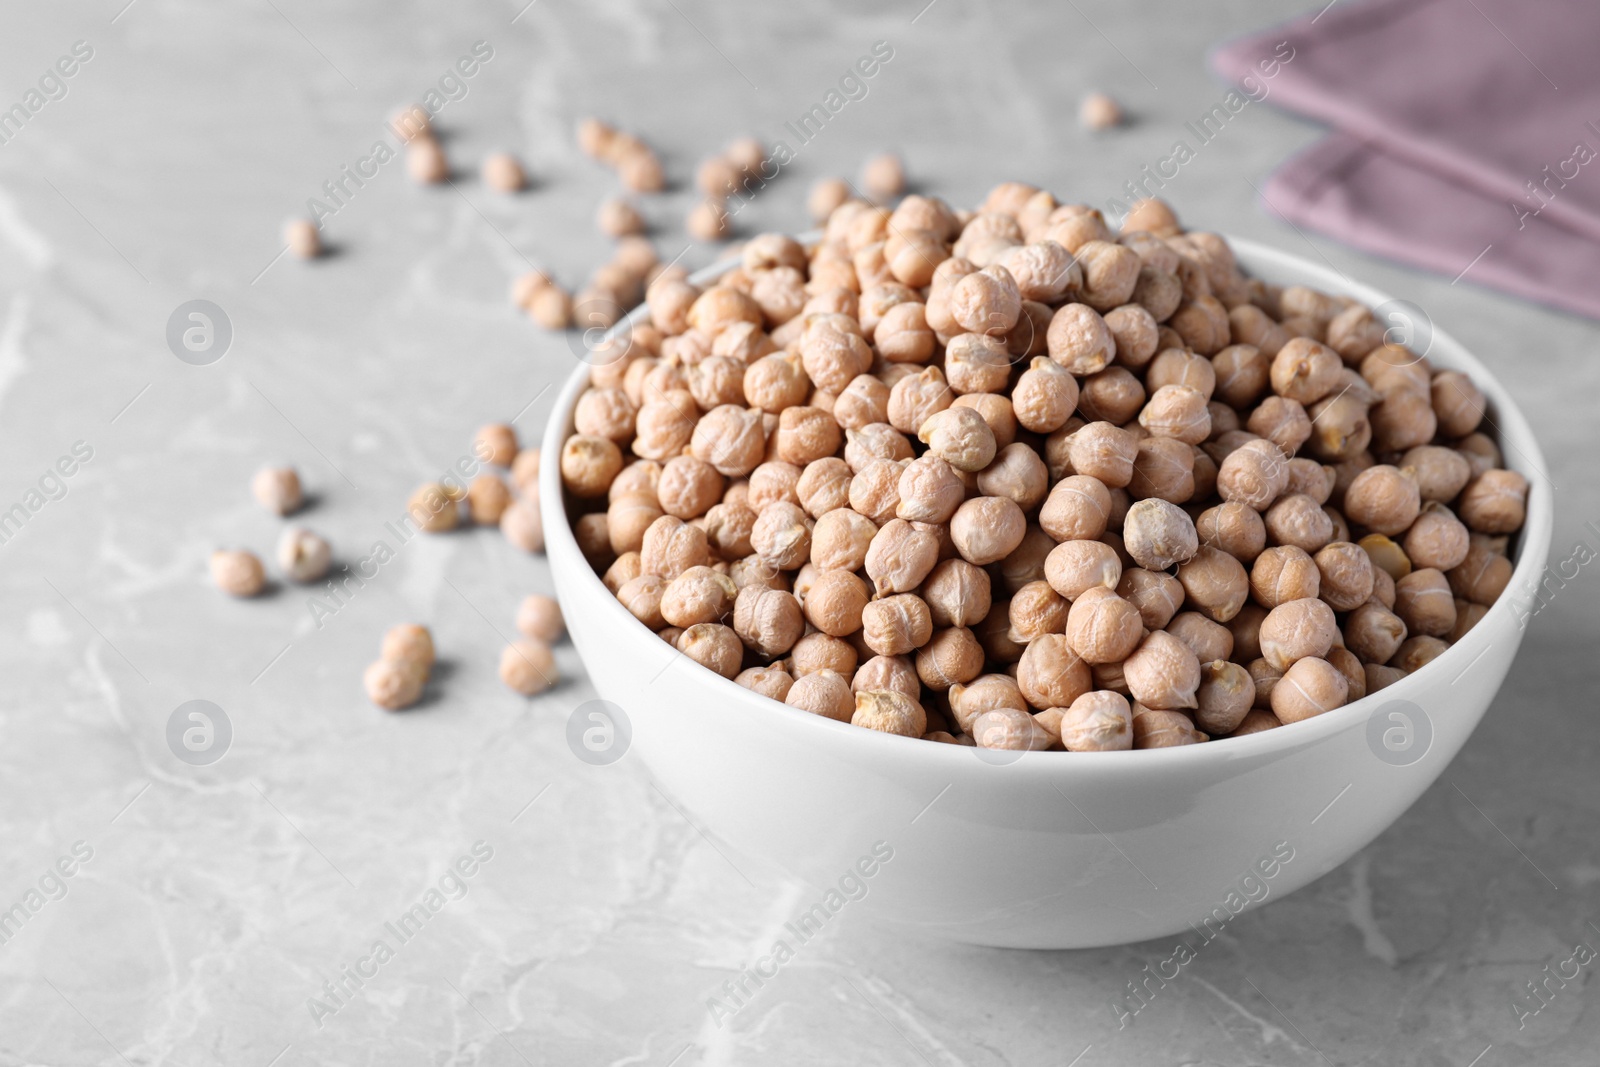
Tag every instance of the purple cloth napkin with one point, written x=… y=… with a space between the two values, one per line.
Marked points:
x=1468 y=136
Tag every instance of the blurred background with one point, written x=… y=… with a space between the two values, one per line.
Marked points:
x=219 y=901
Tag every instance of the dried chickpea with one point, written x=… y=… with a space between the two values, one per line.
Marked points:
x=823 y=692
x=1078 y=508
x=433 y=508
x=1214 y=583
x=303 y=556
x=1112 y=395
x=895 y=625
x=1206 y=639
x=1045 y=396
x=987 y=693
x=1050 y=674
x=671 y=546
x=1162 y=673
x=522 y=525
x=1224 y=698
x=957 y=593
x=1156 y=595
x=1424 y=602
x=1017 y=474
x=1384 y=499
x=1374 y=633
x=1297 y=629
x=1097 y=721
x=769 y=621
x=1079 y=339
x=1305 y=371
x=277 y=489
x=1264 y=675
x=960 y=436
x=425 y=160
x=1256 y=474
x=237 y=572
x=1494 y=502
x=1234 y=528
x=929 y=490
x=1298 y=520
x=627 y=519
x=1101 y=450
x=1256 y=721
x=1417 y=652
x=1163 y=729
x=1009 y=729
x=834 y=602
x=951 y=655
x=1075 y=566
x=1401 y=420
x=713 y=646
x=688 y=487
x=697 y=595
x=1345 y=575
x=1179 y=412
x=1437 y=539
x=901 y=556
x=1102 y=627
x=1481 y=576
x=770 y=682
x=986 y=529
x=589 y=464
x=873 y=491
x=1036 y=609
x=1159 y=534
x=1441 y=473
x=730 y=438
x=1311 y=686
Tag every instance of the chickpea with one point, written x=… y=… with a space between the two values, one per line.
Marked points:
x=1101 y=450
x=1206 y=639
x=1401 y=420
x=303 y=556
x=929 y=490
x=986 y=529
x=1481 y=576
x=1044 y=396
x=1079 y=339
x=873 y=491
x=522 y=525
x=1110 y=273
x=1437 y=539
x=976 y=363
x=1424 y=602
x=1233 y=527
x=1264 y=675
x=1075 y=566
x=1224 y=698
x=917 y=397
x=1305 y=371
x=1313 y=479
x=895 y=625
x=991 y=692
x=394 y=684
x=1177 y=411
x=1255 y=474
x=1345 y=576
x=950 y=656
x=1440 y=473
x=770 y=682
x=237 y=572
x=1156 y=595
x=589 y=464
x=1163 y=729
x=834 y=601
x=1297 y=519
x=623 y=570
x=876 y=441
x=1162 y=673
x=1494 y=502
x=1113 y=395
x=1097 y=721
x=1297 y=629
x=277 y=489
x=1214 y=583
x=697 y=595
x=1384 y=499
x=629 y=516
x=901 y=555
x=1340 y=427
x=1036 y=609
x=525 y=470
x=593 y=535
x=1102 y=627
x=1311 y=686
x=824 y=692
x=986 y=301
x=671 y=546
x=730 y=438
x=1256 y=721
x=1050 y=674
x=1017 y=474
x=1159 y=534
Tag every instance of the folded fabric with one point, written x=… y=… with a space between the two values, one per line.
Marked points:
x=1468 y=133
x=1386 y=206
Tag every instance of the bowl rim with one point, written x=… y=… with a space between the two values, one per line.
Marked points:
x=852 y=741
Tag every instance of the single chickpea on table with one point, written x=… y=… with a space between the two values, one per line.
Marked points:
x=1006 y=478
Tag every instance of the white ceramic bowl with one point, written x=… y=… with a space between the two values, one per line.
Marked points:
x=1050 y=849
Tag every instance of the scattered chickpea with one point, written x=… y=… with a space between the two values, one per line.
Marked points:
x=884 y=177
x=1099 y=112
x=237 y=572
x=277 y=489
x=303 y=238
x=527 y=666
x=522 y=525
x=425 y=160
x=303 y=556
x=503 y=173
x=393 y=685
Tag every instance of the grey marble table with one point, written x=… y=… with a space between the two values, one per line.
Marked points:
x=209 y=908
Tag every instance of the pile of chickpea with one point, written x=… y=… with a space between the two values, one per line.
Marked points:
x=1007 y=478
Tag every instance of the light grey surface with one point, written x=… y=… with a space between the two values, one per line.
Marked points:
x=220 y=898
